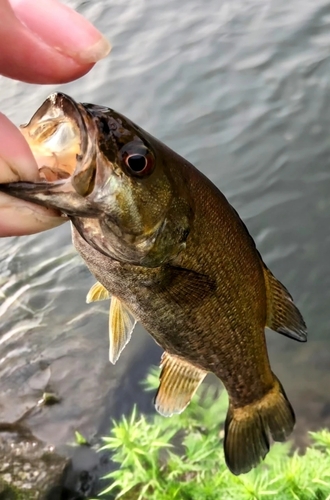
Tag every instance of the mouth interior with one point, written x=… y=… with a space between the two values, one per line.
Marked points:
x=55 y=143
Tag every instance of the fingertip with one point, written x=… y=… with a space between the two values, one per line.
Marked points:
x=47 y=42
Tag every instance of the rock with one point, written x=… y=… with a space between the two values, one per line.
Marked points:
x=28 y=468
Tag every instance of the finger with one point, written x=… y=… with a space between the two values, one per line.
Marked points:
x=20 y=218
x=47 y=42
x=17 y=163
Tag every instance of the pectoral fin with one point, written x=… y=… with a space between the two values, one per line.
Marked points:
x=282 y=315
x=179 y=380
x=121 y=321
x=97 y=292
x=121 y=326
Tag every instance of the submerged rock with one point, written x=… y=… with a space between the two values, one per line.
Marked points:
x=29 y=469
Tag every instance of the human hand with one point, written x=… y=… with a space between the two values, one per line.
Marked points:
x=40 y=42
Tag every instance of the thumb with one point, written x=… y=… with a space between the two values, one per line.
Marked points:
x=47 y=42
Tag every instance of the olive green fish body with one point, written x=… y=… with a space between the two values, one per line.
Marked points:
x=200 y=323
x=172 y=253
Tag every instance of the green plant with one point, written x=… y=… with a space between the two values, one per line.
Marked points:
x=80 y=439
x=181 y=458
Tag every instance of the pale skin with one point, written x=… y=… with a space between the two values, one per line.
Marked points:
x=40 y=42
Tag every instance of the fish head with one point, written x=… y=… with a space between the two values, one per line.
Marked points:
x=124 y=191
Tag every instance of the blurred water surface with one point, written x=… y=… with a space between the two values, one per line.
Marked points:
x=241 y=89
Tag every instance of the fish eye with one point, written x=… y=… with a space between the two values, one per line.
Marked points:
x=137 y=163
x=138 y=160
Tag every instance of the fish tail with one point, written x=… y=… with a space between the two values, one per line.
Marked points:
x=248 y=429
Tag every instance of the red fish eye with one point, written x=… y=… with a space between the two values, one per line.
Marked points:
x=139 y=164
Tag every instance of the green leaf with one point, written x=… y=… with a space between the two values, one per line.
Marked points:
x=181 y=458
x=80 y=439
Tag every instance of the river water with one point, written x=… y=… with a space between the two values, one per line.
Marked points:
x=241 y=89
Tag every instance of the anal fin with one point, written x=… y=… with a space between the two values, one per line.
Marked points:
x=179 y=380
x=282 y=315
x=121 y=326
x=97 y=292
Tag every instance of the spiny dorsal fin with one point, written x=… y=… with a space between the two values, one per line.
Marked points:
x=282 y=315
x=97 y=292
x=179 y=380
x=121 y=326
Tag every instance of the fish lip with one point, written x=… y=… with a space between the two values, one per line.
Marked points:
x=69 y=107
x=59 y=104
x=57 y=195
x=84 y=172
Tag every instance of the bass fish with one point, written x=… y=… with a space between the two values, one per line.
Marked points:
x=173 y=254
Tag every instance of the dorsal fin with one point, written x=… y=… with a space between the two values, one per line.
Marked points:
x=97 y=292
x=121 y=326
x=179 y=380
x=282 y=315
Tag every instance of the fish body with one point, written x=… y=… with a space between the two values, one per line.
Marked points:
x=189 y=305
x=164 y=242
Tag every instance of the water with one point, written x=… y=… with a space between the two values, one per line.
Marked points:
x=241 y=89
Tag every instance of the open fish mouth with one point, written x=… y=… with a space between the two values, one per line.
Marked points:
x=61 y=135
x=55 y=136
